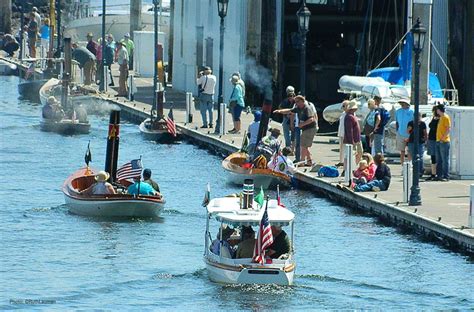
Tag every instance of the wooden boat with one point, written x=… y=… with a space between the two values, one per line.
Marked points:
x=53 y=87
x=156 y=131
x=220 y=269
x=113 y=205
x=265 y=178
x=65 y=126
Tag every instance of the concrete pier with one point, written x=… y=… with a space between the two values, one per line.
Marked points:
x=443 y=216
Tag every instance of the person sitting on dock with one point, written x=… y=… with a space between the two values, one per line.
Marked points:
x=382 y=178
x=361 y=175
x=227 y=251
x=101 y=186
x=10 y=45
x=246 y=246
x=280 y=162
x=142 y=187
x=281 y=243
x=52 y=110
x=147 y=179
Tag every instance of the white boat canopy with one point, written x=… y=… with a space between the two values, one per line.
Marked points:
x=227 y=210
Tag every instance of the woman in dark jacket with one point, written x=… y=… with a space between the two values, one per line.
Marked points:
x=431 y=144
x=381 y=181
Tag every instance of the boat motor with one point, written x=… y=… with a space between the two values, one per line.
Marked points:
x=247 y=194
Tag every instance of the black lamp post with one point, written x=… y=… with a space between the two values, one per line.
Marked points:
x=222 y=10
x=419 y=32
x=103 y=43
x=303 y=15
x=303 y=25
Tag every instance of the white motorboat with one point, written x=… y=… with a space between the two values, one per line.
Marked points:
x=112 y=205
x=229 y=211
x=156 y=130
x=265 y=178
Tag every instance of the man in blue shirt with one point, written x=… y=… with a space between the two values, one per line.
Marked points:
x=402 y=117
x=145 y=188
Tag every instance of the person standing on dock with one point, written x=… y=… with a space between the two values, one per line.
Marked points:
x=122 y=60
x=91 y=44
x=352 y=131
x=44 y=35
x=442 y=144
x=86 y=61
x=288 y=122
x=402 y=117
x=130 y=46
x=32 y=35
x=206 y=82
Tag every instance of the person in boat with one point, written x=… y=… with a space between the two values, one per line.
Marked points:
x=147 y=179
x=246 y=246
x=142 y=187
x=269 y=144
x=281 y=163
x=227 y=251
x=252 y=132
x=101 y=186
x=281 y=243
x=52 y=110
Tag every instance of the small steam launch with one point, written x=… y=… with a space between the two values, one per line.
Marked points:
x=117 y=204
x=62 y=116
x=242 y=166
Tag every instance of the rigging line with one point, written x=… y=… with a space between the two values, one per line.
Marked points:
x=444 y=63
x=378 y=33
x=361 y=46
x=398 y=43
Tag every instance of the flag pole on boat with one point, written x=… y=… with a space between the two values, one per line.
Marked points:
x=88 y=157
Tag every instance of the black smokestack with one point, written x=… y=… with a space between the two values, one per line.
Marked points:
x=266 y=113
x=247 y=193
x=113 y=139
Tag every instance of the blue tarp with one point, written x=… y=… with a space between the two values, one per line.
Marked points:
x=395 y=76
x=404 y=59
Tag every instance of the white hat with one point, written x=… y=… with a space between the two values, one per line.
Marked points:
x=290 y=89
x=407 y=102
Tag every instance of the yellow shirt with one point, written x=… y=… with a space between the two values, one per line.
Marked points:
x=443 y=126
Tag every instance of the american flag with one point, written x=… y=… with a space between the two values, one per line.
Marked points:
x=30 y=71
x=279 y=198
x=170 y=123
x=130 y=170
x=264 y=238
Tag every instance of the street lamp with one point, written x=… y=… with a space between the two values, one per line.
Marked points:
x=418 y=31
x=222 y=10
x=303 y=15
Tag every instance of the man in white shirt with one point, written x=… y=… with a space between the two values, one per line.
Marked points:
x=281 y=163
x=206 y=87
x=122 y=60
x=340 y=133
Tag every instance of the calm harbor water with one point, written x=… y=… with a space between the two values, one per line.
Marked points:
x=345 y=260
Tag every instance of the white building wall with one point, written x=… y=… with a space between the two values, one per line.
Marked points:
x=190 y=14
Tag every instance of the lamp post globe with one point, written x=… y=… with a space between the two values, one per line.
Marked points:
x=303 y=15
x=418 y=32
x=222 y=7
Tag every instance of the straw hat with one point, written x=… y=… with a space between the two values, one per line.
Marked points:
x=352 y=105
x=234 y=79
x=102 y=176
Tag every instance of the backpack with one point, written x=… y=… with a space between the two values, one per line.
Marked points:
x=328 y=171
x=384 y=116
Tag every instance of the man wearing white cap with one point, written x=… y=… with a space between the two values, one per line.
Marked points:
x=402 y=117
x=130 y=46
x=352 y=130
